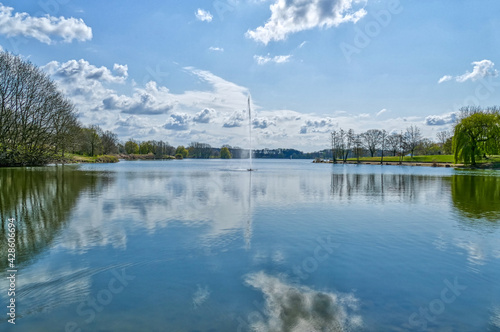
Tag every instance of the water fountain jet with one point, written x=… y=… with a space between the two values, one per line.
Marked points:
x=250 y=133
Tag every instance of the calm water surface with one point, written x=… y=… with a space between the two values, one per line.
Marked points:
x=294 y=246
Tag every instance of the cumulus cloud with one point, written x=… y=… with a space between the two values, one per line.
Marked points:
x=291 y=16
x=132 y=121
x=441 y=120
x=216 y=49
x=322 y=125
x=93 y=90
x=149 y=100
x=262 y=60
x=107 y=97
x=236 y=119
x=44 y=29
x=262 y=123
x=481 y=69
x=326 y=122
x=205 y=115
x=121 y=70
x=203 y=15
x=177 y=121
x=74 y=71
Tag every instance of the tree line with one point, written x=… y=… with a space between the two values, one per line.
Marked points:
x=376 y=142
x=475 y=136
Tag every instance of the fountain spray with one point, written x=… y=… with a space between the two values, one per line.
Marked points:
x=250 y=131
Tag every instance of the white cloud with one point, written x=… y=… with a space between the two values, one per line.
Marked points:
x=382 y=111
x=121 y=70
x=262 y=123
x=337 y=312
x=149 y=100
x=236 y=119
x=291 y=16
x=481 y=69
x=132 y=126
x=223 y=96
x=203 y=15
x=262 y=60
x=205 y=116
x=216 y=114
x=445 y=78
x=43 y=28
x=441 y=120
x=74 y=71
x=177 y=121
x=216 y=49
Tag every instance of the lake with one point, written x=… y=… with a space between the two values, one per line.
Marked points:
x=204 y=245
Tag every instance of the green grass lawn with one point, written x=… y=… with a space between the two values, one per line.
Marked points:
x=427 y=159
x=419 y=159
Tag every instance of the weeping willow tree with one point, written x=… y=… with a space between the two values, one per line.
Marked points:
x=477 y=134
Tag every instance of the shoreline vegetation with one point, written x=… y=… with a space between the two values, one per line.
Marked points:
x=493 y=162
x=424 y=161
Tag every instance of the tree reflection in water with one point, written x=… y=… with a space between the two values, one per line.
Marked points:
x=41 y=201
x=476 y=197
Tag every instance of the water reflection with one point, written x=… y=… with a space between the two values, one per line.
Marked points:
x=41 y=200
x=476 y=197
x=184 y=231
x=219 y=202
x=292 y=308
x=405 y=187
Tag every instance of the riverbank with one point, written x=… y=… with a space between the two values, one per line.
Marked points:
x=77 y=159
x=105 y=159
x=426 y=161
x=392 y=163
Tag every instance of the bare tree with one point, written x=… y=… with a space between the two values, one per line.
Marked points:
x=383 y=142
x=35 y=119
x=444 y=139
x=393 y=143
x=358 y=147
x=371 y=140
x=413 y=136
x=334 y=144
x=402 y=146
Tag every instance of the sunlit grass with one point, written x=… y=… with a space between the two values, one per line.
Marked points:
x=427 y=159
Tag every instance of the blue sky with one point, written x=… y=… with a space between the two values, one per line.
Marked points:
x=180 y=71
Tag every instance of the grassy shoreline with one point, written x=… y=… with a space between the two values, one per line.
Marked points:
x=492 y=162
x=78 y=159
x=70 y=158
